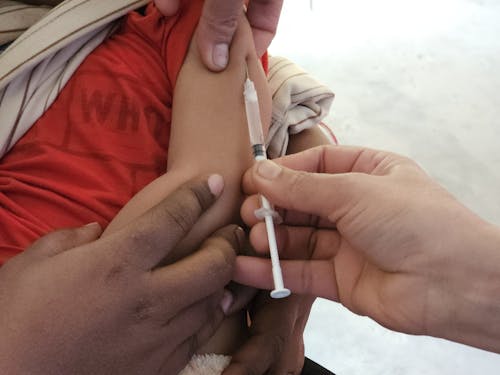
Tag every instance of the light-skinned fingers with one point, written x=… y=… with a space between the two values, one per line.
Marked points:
x=167 y=7
x=263 y=16
x=216 y=29
x=200 y=274
x=63 y=240
x=150 y=238
x=315 y=277
x=332 y=160
x=328 y=196
x=288 y=217
x=297 y=243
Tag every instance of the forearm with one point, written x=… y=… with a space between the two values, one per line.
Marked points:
x=474 y=286
x=308 y=138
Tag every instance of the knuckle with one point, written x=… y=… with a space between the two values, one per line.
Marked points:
x=115 y=272
x=139 y=239
x=183 y=219
x=306 y=277
x=231 y=237
x=277 y=344
x=223 y=260
x=143 y=310
x=222 y=27
x=296 y=185
x=203 y=198
x=57 y=238
x=312 y=244
x=184 y=209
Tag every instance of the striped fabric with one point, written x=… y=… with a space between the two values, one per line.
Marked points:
x=16 y=18
x=299 y=102
x=37 y=65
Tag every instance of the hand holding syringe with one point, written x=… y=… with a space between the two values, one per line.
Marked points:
x=259 y=153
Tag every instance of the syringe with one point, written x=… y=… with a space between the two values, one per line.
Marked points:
x=267 y=212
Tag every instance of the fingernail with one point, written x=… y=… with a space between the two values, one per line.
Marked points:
x=220 y=55
x=240 y=235
x=268 y=170
x=216 y=184
x=227 y=301
x=94 y=224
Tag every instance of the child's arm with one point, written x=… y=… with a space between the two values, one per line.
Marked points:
x=209 y=133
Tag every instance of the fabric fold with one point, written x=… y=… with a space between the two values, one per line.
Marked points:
x=38 y=64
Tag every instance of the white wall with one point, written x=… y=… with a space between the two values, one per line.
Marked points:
x=421 y=78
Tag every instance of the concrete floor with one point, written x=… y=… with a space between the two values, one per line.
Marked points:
x=420 y=78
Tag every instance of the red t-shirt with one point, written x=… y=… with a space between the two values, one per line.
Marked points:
x=104 y=138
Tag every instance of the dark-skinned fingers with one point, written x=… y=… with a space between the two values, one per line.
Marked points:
x=272 y=323
x=63 y=240
x=256 y=355
x=189 y=321
x=298 y=242
x=242 y=296
x=150 y=238
x=316 y=277
x=177 y=359
x=200 y=274
x=291 y=360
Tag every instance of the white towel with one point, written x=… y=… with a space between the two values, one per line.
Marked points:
x=206 y=364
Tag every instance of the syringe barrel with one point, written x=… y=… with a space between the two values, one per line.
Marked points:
x=253 y=114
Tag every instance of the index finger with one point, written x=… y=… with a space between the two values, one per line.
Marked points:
x=329 y=159
x=148 y=239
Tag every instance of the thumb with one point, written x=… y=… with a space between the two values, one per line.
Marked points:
x=64 y=239
x=322 y=194
x=167 y=7
x=216 y=28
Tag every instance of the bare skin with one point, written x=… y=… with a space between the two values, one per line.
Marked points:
x=385 y=241
x=76 y=304
x=219 y=22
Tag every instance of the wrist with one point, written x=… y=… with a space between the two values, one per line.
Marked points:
x=474 y=289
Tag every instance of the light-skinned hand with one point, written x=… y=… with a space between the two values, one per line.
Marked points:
x=384 y=239
x=219 y=21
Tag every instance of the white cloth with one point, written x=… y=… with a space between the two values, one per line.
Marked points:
x=206 y=364
x=17 y=17
x=299 y=102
